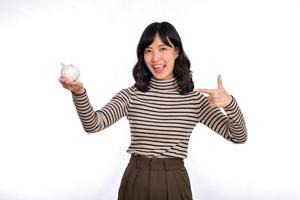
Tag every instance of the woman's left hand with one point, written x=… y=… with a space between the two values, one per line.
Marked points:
x=217 y=97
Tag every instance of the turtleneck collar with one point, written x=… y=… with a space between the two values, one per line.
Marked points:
x=170 y=84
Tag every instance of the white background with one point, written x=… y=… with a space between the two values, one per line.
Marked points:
x=44 y=152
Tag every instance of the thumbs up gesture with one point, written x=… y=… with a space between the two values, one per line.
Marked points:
x=217 y=97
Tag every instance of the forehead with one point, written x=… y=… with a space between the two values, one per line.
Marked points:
x=157 y=41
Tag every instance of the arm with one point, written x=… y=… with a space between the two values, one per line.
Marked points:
x=231 y=126
x=94 y=121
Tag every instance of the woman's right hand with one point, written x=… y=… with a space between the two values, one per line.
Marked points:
x=74 y=86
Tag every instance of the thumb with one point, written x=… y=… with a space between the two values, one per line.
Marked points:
x=220 y=83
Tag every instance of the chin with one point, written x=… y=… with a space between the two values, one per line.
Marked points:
x=162 y=77
x=165 y=75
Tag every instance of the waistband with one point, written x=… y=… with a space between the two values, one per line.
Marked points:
x=156 y=164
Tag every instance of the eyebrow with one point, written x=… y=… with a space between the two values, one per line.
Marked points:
x=160 y=45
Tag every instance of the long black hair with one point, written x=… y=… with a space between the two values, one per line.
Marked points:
x=182 y=72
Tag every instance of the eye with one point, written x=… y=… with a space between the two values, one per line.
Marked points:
x=163 y=49
x=147 y=51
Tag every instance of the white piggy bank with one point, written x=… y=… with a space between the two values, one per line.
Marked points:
x=71 y=72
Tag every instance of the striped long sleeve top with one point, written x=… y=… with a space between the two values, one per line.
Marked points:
x=161 y=120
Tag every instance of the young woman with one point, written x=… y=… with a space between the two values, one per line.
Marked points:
x=162 y=109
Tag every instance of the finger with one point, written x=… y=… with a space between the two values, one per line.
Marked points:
x=206 y=91
x=66 y=82
x=63 y=79
x=209 y=99
x=219 y=103
x=213 y=105
x=220 y=83
x=77 y=83
x=214 y=95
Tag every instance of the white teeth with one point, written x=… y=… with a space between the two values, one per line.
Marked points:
x=158 y=66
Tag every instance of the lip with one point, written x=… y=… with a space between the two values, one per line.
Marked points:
x=158 y=68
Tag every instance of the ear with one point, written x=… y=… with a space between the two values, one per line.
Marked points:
x=177 y=51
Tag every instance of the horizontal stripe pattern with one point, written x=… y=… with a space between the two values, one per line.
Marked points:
x=161 y=120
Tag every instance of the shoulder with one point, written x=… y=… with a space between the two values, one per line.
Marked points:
x=195 y=95
x=127 y=92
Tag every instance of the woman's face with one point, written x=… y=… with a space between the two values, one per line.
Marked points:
x=160 y=59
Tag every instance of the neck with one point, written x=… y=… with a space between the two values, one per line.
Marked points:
x=170 y=84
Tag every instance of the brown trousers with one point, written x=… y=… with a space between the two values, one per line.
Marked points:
x=155 y=179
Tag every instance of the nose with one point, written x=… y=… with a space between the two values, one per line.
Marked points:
x=156 y=56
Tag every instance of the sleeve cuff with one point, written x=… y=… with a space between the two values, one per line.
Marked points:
x=231 y=105
x=79 y=95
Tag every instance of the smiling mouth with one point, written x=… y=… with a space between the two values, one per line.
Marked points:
x=158 y=68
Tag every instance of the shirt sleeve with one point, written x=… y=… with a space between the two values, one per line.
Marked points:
x=94 y=121
x=230 y=125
